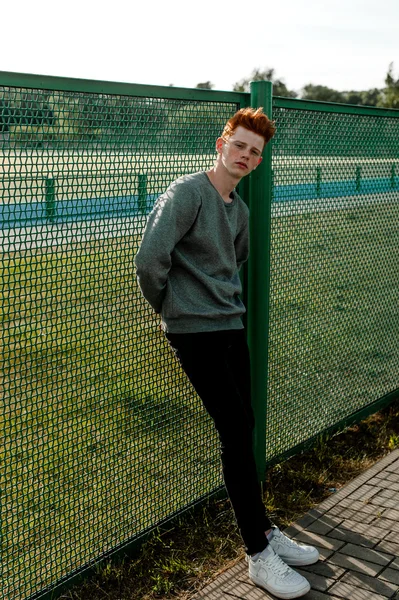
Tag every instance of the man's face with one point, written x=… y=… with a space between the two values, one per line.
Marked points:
x=241 y=153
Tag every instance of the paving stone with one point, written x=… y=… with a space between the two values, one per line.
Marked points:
x=318 y=582
x=382 y=464
x=388 y=493
x=387 y=460
x=342 y=493
x=326 y=569
x=372 y=584
x=364 y=493
x=316 y=513
x=387 y=526
x=393 y=537
x=351 y=537
x=315 y=595
x=324 y=553
x=308 y=518
x=233 y=582
x=318 y=540
x=388 y=547
x=388 y=484
x=394 y=564
x=391 y=575
x=393 y=468
x=324 y=524
x=293 y=530
x=373 y=556
x=327 y=504
x=361 y=534
x=349 y=513
x=384 y=476
x=391 y=514
x=355 y=564
x=384 y=502
x=299 y=525
x=351 y=592
x=246 y=592
x=359 y=506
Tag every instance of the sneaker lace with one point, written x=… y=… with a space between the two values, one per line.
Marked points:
x=290 y=543
x=278 y=566
x=287 y=541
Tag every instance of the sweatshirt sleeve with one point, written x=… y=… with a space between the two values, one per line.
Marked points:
x=172 y=216
x=241 y=242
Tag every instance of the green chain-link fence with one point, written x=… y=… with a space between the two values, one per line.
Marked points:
x=334 y=320
x=101 y=437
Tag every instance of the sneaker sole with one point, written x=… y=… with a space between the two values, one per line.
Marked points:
x=284 y=595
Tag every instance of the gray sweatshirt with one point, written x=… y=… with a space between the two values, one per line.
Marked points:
x=188 y=261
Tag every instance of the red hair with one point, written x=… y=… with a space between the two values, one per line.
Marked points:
x=252 y=119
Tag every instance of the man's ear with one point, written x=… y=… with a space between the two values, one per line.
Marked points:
x=260 y=160
x=219 y=145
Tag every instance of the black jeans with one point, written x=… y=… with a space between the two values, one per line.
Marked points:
x=217 y=364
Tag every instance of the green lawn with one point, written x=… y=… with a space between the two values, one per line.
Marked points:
x=334 y=318
x=102 y=435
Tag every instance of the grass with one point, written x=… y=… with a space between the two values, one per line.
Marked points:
x=102 y=436
x=333 y=317
x=178 y=562
x=84 y=412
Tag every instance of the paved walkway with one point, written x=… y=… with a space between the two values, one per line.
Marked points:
x=357 y=533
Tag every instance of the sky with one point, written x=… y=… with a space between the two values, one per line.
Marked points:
x=342 y=44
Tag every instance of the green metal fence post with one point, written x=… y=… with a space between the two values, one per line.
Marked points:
x=50 y=198
x=260 y=198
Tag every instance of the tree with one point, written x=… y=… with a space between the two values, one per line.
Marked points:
x=207 y=85
x=279 y=87
x=353 y=97
x=367 y=97
x=390 y=94
x=322 y=93
x=371 y=97
x=326 y=94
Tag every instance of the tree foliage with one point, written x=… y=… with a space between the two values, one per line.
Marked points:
x=365 y=98
x=390 y=94
x=388 y=97
x=321 y=92
x=326 y=94
x=206 y=85
x=279 y=87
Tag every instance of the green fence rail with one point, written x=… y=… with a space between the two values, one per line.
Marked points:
x=102 y=439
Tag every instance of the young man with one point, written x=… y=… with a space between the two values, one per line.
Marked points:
x=194 y=243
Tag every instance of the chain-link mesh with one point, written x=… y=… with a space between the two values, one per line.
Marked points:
x=334 y=270
x=101 y=436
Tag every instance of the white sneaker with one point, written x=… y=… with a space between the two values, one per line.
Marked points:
x=272 y=574
x=290 y=552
